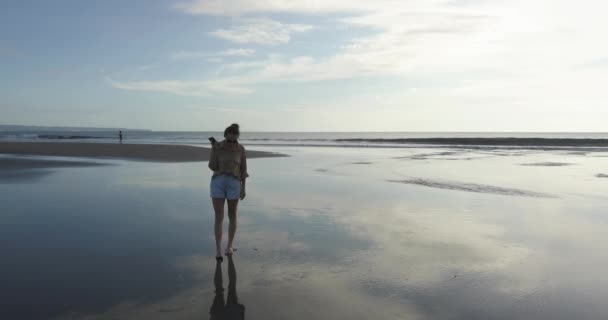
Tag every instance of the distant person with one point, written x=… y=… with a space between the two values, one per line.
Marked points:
x=120 y=136
x=229 y=164
x=232 y=309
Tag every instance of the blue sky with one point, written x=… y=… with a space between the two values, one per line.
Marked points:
x=273 y=65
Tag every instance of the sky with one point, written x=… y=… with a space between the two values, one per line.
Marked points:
x=315 y=65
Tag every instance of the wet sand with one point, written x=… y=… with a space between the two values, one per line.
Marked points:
x=141 y=152
x=9 y=164
x=320 y=236
x=31 y=169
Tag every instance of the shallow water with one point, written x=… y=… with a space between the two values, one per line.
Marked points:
x=323 y=234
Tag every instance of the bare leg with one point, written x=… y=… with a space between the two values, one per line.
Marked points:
x=218 y=206
x=232 y=206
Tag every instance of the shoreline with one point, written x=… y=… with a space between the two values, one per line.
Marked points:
x=137 y=152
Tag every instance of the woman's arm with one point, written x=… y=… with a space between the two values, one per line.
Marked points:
x=243 y=191
x=243 y=168
x=213 y=164
x=244 y=173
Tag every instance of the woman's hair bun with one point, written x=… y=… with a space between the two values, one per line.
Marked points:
x=232 y=129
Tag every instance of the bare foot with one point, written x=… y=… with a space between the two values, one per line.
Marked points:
x=229 y=251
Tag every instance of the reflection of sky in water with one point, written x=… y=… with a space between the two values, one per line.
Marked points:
x=134 y=240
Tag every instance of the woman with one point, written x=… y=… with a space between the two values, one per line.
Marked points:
x=229 y=165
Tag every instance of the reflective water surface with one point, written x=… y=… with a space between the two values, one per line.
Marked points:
x=327 y=233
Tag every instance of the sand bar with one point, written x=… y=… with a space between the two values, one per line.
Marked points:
x=141 y=152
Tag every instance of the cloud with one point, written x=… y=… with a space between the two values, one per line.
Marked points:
x=593 y=64
x=241 y=7
x=260 y=31
x=408 y=36
x=398 y=49
x=183 y=55
x=242 y=52
x=460 y=52
x=181 y=88
x=235 y=52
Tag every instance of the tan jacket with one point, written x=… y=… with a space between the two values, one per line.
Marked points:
x=225 y=160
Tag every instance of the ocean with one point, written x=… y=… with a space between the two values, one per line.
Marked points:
x=509 y=140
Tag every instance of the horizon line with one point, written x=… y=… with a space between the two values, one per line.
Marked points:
x=307 y=131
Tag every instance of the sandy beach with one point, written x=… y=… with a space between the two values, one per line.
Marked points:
x=326 y=233
x=140 y=152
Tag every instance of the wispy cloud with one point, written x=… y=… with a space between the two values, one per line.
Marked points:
x=145 y=67
x=241 y=52
x=182 y=55
x=261 y=31
x=478 y=49
x=409 y=36
x=241 y=7
x=182 y=88
x=235 y=52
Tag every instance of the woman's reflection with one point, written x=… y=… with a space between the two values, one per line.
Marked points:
x=231 y=310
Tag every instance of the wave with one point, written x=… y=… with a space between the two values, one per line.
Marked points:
x=455 y=142
x=61 y=137
x=18 y=136
x=523 y=142
x=290 y=139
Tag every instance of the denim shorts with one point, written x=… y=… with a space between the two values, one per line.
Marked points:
x=225 y=187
